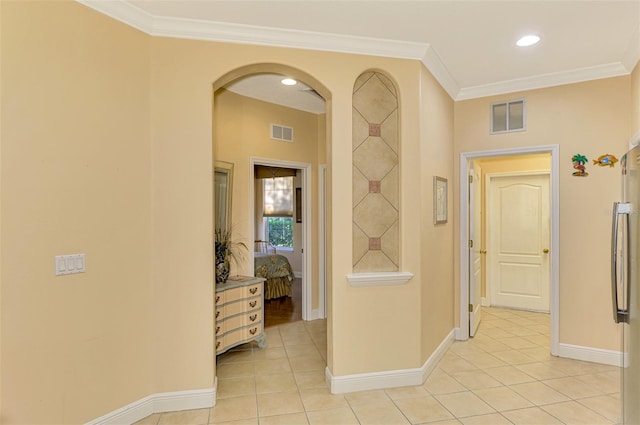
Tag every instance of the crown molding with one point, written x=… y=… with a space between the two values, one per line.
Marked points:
x=126 y=13
x=440 y=72
x=632 y=55
x=277 y=37
x=249 y=34
x=542 y=81
x=122 y=11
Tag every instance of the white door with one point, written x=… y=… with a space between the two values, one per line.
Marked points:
x=518 y=250
x=475 y=260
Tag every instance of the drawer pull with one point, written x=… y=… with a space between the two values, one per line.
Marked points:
x=253 y=290
x=217 y=329
x=253 y=303
x=253 y=317
x=217 y=314
x=253 y=331
x=217 y=298
x=217 y=345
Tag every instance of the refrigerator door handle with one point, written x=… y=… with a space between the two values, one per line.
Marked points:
x=619 y=208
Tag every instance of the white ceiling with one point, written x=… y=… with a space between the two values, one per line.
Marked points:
x=469 y=46
x=268 y=87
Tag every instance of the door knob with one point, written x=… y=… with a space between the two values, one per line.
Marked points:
x=546 y=250
x=483 y=251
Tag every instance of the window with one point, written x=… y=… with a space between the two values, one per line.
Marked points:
x=278 y=211
x=280 y=231
x=508 y=116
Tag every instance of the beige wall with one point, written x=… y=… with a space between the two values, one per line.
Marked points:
x=242 y=131
x=436 y=241
x=592 y=119
x=183 y=73
x=76 y=162
x=106 y=148
x=635 y=100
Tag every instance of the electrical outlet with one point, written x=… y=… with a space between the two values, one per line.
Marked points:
x=70 y=264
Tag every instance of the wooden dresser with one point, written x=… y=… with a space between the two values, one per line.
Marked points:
x=239 y=312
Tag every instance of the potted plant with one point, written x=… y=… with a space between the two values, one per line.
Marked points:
x=225 y=251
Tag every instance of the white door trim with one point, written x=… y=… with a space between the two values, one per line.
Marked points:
x=463 y=220
x=306 y=220
x=322 y=227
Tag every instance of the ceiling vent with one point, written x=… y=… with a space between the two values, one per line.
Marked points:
x=313 y=92
x=281 y=132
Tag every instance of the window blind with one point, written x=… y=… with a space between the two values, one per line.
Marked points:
x=278 y=197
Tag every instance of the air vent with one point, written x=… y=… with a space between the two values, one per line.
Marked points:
x=508 y=116
x=281 y=132
x=314 y=93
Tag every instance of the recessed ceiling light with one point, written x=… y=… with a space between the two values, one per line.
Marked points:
x=528 y=40
x=289 y=82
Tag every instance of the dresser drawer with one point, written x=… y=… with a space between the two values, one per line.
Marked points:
x=238 y=313
x=235 y=294
x=235 y=322
x=248 y=305
x=240 y=335
x=231 y=309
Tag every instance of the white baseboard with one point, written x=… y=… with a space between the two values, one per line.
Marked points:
x=388 y=379
x=159 y=403
x=588 y=354
x=315 y=315
x=484 y=302
x=459 y=336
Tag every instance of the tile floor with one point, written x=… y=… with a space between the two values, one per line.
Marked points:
x=504 y=375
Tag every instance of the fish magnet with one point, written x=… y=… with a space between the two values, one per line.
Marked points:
x=604 y=160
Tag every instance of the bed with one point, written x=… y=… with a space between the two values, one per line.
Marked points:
x=275 y=268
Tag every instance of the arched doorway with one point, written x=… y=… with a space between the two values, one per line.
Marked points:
x=233 y=145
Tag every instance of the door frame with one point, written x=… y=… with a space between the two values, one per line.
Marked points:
x=476 y=236
x=322 y=249
x=488 y=210
x=463 y=243
x=305 y=169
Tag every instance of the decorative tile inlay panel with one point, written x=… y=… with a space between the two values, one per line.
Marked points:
x=374 y=158
x=387 y=83
x=360 y=244
x=390 y=244
x=375 y=174
x=375 y=261
x=389 y=187
x=389 y=131
x=360 y=129
x=360 y=186
x=374 y=215
x=374 y=100
x=363 y=78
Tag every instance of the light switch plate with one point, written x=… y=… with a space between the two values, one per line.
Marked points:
x=70 y=264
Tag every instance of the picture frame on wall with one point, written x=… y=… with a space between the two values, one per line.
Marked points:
x=439 y=200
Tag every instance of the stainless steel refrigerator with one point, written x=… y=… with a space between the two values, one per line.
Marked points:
x=625 y=282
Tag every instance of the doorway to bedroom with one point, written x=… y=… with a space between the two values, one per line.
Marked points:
x=280 y=213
